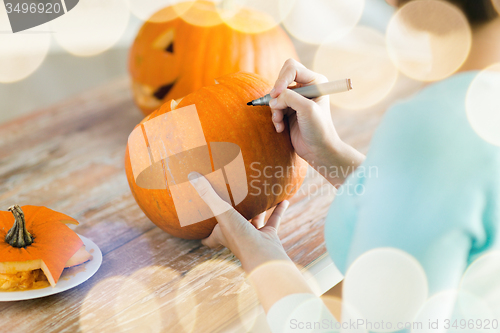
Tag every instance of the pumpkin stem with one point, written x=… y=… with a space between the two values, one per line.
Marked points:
x=18 y=235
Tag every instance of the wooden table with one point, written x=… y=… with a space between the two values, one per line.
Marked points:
x=70 y=158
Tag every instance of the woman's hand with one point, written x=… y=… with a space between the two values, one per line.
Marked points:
x=258 y=246
x=311 y=127
x=253 y=243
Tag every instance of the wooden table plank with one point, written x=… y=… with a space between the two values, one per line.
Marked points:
x=70 y=158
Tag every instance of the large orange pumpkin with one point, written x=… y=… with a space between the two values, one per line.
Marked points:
x=171 y=59
x=273 y=170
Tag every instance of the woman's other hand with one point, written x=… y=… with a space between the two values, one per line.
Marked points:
x=256 y=244
x=253 y=243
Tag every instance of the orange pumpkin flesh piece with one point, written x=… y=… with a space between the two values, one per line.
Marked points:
x=55 y=246
x=171 y=58
x=225 y=117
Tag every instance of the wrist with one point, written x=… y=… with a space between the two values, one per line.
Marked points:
x=325 y=155
x=336 y=161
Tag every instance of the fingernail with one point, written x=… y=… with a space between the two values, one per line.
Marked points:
x=277 y=126
x=272 y=91
x=275 y=115
x=193 y=177
x=273 y=102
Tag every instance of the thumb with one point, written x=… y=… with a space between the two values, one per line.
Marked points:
x=208 y=194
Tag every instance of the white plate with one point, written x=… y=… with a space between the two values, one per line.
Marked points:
x=71 y=277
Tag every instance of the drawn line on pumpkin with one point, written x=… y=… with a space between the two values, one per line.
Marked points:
x=176 y=144
x=163 y=154
x=166 y=165
x=163 y=162
x=151 y=160
x=211 y=158
x=228 y=187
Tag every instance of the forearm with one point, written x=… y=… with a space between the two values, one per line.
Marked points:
x=270 y=271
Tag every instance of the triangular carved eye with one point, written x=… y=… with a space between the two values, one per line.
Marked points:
x=165 y=41
x=162 y=91
x=170 y=47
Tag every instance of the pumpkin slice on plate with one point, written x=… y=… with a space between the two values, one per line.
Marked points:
x=34 y=238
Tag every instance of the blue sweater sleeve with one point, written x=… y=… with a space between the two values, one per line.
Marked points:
x=429 y=186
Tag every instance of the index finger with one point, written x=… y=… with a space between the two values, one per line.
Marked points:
x=294 y=71
x=225 y=214
x=208 y=194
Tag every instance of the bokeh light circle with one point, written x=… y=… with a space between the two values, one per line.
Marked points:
x=134 y=303
x=483 y=104
x=311 y=280
x=385 y=284
x=144 y=9
x=23 y=52
x=361 y=56
x=212 y=282
x=91 y=27
x=334 y=306
x=254 y=16
x=439 y=308
x=140 y=302
x=481 y=279
x=248 y=309
x=199 y=13
x=304 y=309
x=448 y=308
x=429 y=40
x=100 y=303
x=139 y=309
x=343 y=314
x=315 y=21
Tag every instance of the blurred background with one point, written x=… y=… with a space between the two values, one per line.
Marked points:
x=89 y=45
x=388 y=54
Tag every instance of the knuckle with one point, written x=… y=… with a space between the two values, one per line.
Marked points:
x=282 y=80
x=203 y=191
x=282 y=98
x=290 y=62
x=322 y=78
x=286 y=93
x=232 y=214
x=310 y=106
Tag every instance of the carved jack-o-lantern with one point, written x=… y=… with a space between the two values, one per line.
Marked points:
x=170 y=59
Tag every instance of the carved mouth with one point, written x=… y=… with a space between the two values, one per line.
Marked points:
x=162 y=91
